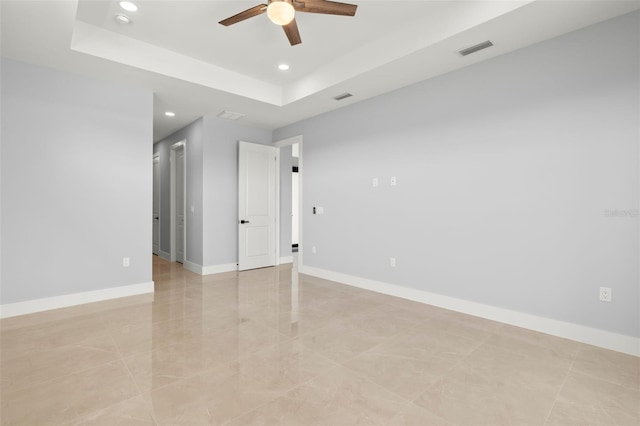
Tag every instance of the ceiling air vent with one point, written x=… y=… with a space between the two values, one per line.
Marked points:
x=474 y=49
x=345 y=95
x=229 y=115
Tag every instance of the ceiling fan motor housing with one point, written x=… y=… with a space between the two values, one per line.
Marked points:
x=282 y=12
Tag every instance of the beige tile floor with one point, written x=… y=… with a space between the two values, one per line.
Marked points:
x=272 y=347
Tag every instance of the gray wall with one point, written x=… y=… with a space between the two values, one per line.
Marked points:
x=212 y=187
x=76 y=183
x=507 y=172
x=194 y=171
x=220 y=190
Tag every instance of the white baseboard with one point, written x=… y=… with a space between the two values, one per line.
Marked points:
x=227 y=267
x=218 y=269
x=164 y=255
x=56 y=302
x=592 y=336
x=210 y=269
x=193 y=267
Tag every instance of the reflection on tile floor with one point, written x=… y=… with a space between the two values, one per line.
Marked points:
x=272 y=347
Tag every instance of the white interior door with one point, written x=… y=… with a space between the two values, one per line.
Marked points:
x=156 y=205
x=180 y=204
x=256 y=206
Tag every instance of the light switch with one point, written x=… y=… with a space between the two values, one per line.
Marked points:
x=320 y=210
x=375 y=182
x=394 y=182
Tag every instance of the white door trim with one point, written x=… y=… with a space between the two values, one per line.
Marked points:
x=277 y=183
x=172 y=227
x=159 y=189
x=281 y=144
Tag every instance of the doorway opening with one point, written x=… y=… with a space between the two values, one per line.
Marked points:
x=178 y=202
x=295 y=198
x=296 y=170
x=156 y=205
x=255 y=240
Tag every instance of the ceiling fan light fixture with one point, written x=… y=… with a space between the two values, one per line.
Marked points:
x=128 y=6
x=280 y=12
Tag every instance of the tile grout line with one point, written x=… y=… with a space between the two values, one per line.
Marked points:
x=135 y=383
x=284 y=393
x=560 y=388
x=73 y=373
x=591 y=376
x=301 y=384
x=198 y=373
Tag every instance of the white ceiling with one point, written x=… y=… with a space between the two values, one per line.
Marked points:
x=197 y=67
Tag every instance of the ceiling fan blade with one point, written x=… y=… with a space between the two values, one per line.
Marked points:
x=325 y=6
x=291 y=30
x=249 y=13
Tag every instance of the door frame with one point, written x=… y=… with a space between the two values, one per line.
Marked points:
x=156 y=155
x=281 y=144
x=172 y=188
x=276 y=190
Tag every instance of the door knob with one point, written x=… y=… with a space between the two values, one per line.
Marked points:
x=244 y=221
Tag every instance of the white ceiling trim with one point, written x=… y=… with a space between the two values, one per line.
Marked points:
x=456 y=18
x=105 y=44
x=459 y=17
x=366 y=56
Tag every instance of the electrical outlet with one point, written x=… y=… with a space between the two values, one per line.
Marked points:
x=375 y=182
x=605 y=294
x=392 y=262
x=126 y=262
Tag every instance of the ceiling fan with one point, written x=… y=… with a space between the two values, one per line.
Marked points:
x=282 y=12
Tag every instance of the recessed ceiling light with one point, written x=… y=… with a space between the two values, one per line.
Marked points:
x=128 y=6
x=122 y=18
x=170 y=114
x=283 y=67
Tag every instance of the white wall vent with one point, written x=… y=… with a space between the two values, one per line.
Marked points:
x=345 y=95
x=474 y=49
x=230 y=115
